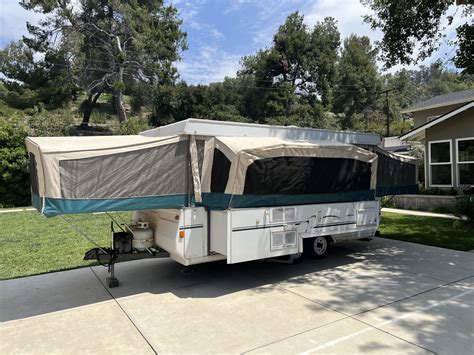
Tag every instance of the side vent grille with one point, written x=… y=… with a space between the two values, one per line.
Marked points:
x=278 y=240
x=290 y=238
x=278 y=214
x=282 y=240
x=283 y=214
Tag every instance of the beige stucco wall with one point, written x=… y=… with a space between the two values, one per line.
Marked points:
x=421 y=117
x=459 y=126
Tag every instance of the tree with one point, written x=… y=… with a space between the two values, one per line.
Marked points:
x=47 y=81
x=433 y=80
x=300 y=62
x=111 y=43
x=463 y=58
x=412 y=30
x=410 y=86
x=359 y=84
x=14 y=179
x=219 y=101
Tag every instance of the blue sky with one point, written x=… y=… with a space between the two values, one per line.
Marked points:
x=220 y=32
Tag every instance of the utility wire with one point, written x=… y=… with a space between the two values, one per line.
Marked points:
x=126 y=72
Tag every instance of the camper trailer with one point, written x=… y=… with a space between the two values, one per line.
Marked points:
x=203 y=191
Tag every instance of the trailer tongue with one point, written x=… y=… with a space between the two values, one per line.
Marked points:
x=207 y=190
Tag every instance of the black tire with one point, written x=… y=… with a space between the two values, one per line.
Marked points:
x=317 y=247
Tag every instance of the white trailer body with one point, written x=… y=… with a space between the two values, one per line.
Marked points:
x=245 y=234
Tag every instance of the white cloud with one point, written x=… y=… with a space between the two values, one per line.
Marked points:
x=266 y=8
x=209 y=64
x=205 y=61
x=206 y=29
x=13 y=20
x=349 y=16
x=188 y=9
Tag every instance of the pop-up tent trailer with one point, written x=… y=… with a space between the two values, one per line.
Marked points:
x=209 y=190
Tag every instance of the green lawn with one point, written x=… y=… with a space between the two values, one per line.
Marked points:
x=32 y=244
x=438 y=232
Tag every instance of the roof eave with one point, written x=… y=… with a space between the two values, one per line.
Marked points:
x=419 y=132
x=413 y=136
x=424 y=108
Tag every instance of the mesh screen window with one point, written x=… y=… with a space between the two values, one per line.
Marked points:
x=306 y=175
x=220 y=171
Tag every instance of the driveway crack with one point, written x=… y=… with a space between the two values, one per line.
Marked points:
x=354 y=315
x=125 y=312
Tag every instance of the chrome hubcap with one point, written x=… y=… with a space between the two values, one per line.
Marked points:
x=320 y=245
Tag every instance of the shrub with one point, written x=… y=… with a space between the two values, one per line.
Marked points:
x=387 y=202
x=464 y=206
x=133 y=125
x=136 y=103
x=99 y=117
x=3 y=91
x=52 y=123
x=14 y=180
x=443 y=209
x=23 y=99
x=438 y=191
x=7 y=111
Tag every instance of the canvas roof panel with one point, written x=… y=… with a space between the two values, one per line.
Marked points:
x=77 y=144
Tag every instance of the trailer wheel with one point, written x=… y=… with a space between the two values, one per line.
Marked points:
x=317 y=247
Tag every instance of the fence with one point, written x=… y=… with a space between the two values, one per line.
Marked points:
x=423 y=202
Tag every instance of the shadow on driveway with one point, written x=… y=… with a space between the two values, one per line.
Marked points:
x=356 y=276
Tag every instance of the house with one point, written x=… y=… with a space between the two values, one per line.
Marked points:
x=445 y=125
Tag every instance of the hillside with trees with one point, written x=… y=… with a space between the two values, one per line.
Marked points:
x=110 y=69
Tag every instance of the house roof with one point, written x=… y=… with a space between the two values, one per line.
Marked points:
x=452 y=98
x=419 y=132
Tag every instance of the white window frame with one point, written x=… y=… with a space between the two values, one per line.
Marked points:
x=457 y=158
x=444 y=163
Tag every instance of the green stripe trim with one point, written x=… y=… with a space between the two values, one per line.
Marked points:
x=58 y=206
x=221 y=201
x=212 y=201
x=36 y=201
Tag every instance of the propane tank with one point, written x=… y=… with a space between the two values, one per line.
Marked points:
x=142 y=235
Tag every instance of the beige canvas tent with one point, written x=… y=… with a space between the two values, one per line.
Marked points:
x=91 y=174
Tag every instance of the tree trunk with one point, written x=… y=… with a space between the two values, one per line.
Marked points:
x=89 y=108
x=118 y=98
x=387 y=112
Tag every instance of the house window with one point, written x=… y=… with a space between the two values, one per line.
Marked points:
x=440 y=163
x=465 y=160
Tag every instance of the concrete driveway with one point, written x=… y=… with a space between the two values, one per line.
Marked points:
x=380 y=297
